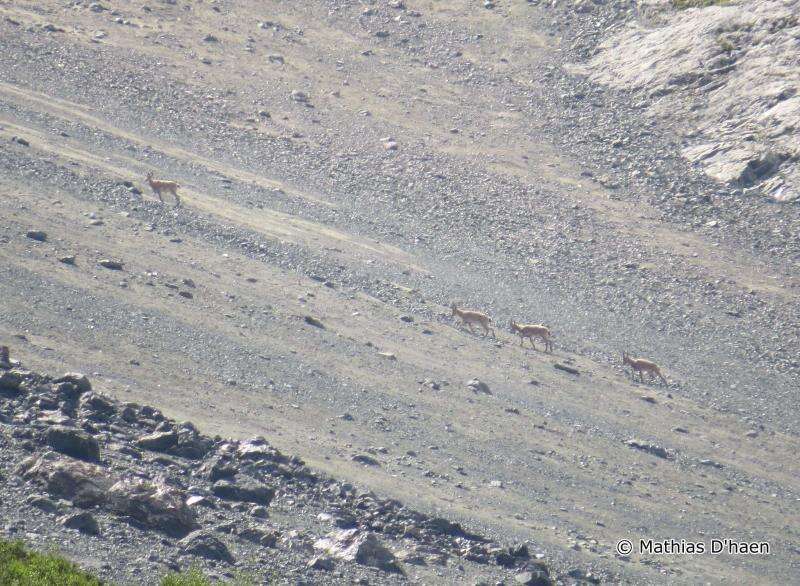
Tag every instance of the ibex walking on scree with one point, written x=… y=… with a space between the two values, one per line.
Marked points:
x=474 y=317
x=159 y=185
x=641 y=366
x=532 y=331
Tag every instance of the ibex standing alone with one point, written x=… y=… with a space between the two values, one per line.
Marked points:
x=159 y=185
x=641 y=366
x=474 y=317
x=532 y=331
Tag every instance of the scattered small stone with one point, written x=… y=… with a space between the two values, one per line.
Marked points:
x=42 y=502
x=535 y=575
x=206 y=545
x=299 y=96
x=650 y=448
x=110 y=264
x=711 y=463
x=565 y=368
x=83 y=522
x=37 y=235
x=478 y=386
x=313 y=321
x=199 y=501
x=322 y=563
x=367 y=460
x=259 y=511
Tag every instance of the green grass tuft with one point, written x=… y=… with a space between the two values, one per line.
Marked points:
x=191 y=578
x=20 y=567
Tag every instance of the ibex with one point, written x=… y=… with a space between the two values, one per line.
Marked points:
x=532 y=331
x=641 y=366
x=474 y=317
x=159 y=185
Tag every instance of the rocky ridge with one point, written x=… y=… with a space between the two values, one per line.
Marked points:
x=146 y=494
x=729 y=74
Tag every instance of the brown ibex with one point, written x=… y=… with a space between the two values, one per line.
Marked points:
x=532 y=331
x=474 y=317
x=641 y=366
x=159 y=185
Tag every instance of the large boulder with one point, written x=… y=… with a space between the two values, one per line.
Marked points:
x=219 y=467
x=192 y=445
x=82 y=521
x=85 y=485
x=160 y=441
x=73 y=442
x=445 y=527
x=206 y=545
x=363 y=548
x=533 y=577
x=10 y=384
x=265 y=537
x=153 y=505
x=244 y=490
x=186 y=443
x=76 y=380
x=257 y=448
x=97 y=407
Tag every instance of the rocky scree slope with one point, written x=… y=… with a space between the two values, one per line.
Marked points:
x=131 y=494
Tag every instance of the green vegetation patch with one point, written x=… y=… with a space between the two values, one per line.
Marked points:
x=20 y=567
x=190 y=578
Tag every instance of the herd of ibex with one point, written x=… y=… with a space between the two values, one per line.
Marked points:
x=531 y=331
x=468 y=317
